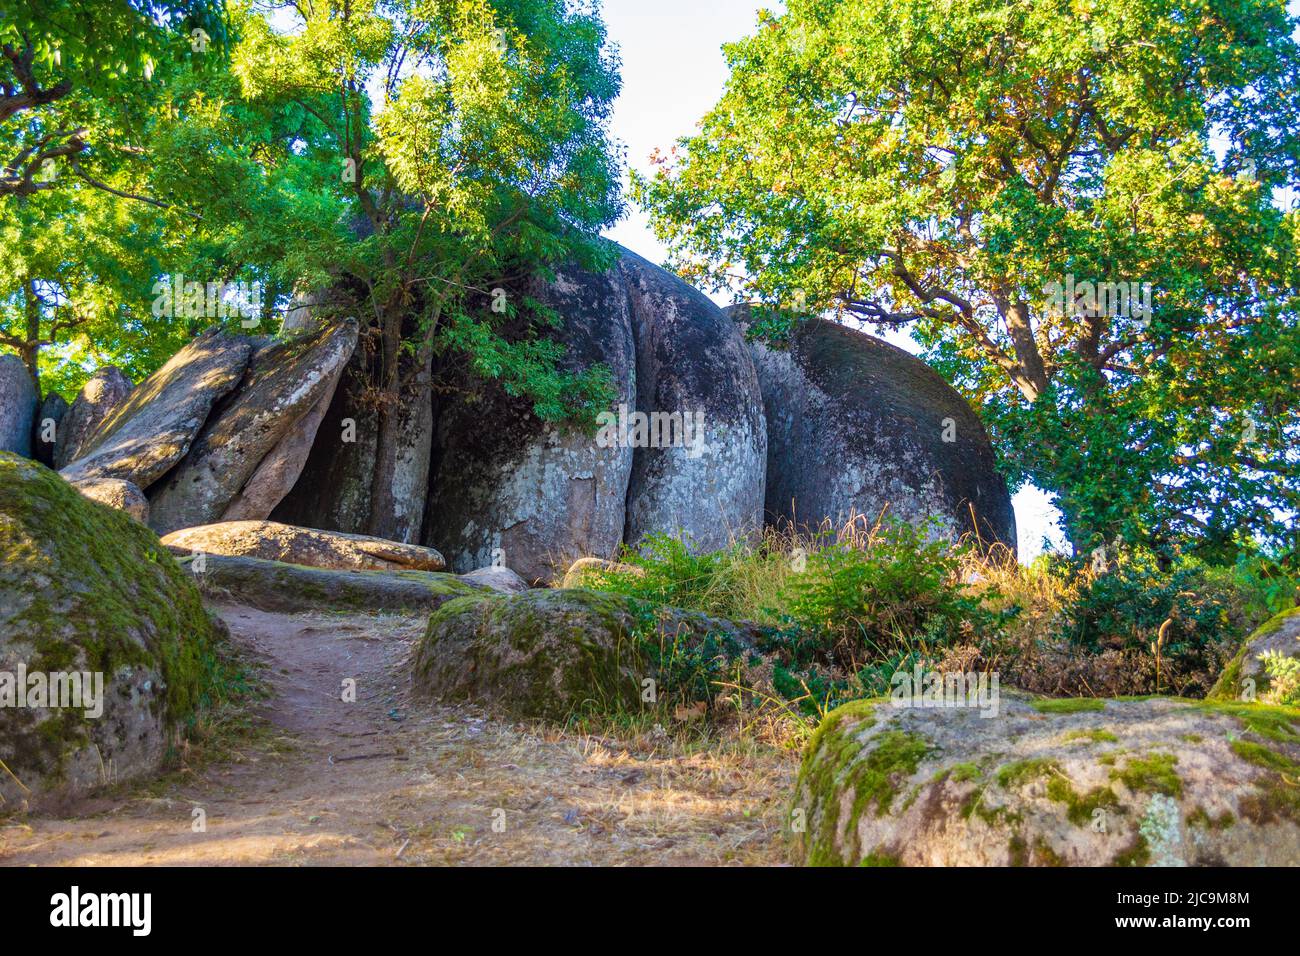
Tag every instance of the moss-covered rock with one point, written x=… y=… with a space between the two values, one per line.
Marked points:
x=1245 y=674
x=276 y=586
x=84 y=588
x=1153 y=781
x=549 y=654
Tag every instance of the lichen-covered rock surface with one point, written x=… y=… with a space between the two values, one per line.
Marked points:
x=84 y=588
x=1245 y=674
x=550 y=654
x=1133 y=782
x=272 y=541
x=274 y=586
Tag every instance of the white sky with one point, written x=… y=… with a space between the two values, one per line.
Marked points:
x=673 y=72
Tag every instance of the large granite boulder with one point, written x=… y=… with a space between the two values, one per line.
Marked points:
x=272 y=541
x=46 y=428
x=152 y=430
x=552 y=653
x=857 y=426
x=1245 y=676
x=18 y=401
x=103 y=393
x=86 y=591
x=692 y=362
x=285 y=381
x=1136 y=782
x=275 y=586
x=509 y=488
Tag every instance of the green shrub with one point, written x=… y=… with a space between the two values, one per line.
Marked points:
x=901 y=593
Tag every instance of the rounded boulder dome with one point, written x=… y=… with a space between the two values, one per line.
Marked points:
x=856 y=426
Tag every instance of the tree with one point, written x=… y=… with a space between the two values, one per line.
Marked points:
x=446 y=150
x=1010 y=181
x=79 y=83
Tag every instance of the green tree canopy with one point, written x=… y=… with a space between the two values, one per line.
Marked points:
x=950 y=165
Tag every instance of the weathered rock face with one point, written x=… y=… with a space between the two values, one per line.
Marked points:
x=153 y=429
x=18 y=401
x=540 y=494
x=273 y=586
x=284 y=383
x=855 y=426
x=548 y=654
x=116 y=493
x=1157 y=781
x=86 y=589
x=272 y=541
x=49 y=419
x=333 y=489
x=1245 y=673
x=103 y=393
x=692 y=361
x=502 y=580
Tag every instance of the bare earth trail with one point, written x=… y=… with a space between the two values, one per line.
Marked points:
x=395 y=779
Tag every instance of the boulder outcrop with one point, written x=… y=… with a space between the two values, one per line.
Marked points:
x=509 y=488
x=692 y=365
x=856 y=426
x=274 y=586
x=153 y=429
x=286 y=379
x=552 y=653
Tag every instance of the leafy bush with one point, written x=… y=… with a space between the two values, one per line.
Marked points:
x=1283 y=678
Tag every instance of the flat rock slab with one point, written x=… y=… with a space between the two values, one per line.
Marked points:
x=272 y=541
x=284 y=382
x=152 y=430
x=273 y=586
x=1136 y=782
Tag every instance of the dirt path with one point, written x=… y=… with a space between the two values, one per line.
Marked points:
x=395 y=779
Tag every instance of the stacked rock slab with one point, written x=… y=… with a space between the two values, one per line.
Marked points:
x=283 y=384
x=509 y=488
x=153 y=429
x=692 y=363
x=103 y=394
x=856 y=426
x=18 y=401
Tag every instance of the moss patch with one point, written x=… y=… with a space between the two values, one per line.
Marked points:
x=1068 y=705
